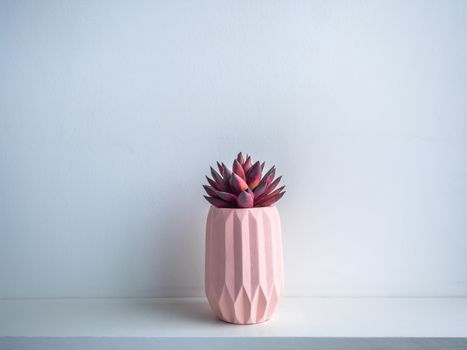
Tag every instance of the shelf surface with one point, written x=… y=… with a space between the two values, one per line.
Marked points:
x=191 y=317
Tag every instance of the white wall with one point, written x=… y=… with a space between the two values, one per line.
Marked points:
x=112 y=111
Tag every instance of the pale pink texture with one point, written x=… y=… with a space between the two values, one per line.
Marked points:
x=244 y=268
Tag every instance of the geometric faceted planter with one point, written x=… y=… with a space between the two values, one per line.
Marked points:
x=244 y=276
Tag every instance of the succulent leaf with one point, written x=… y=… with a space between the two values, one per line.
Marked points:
x=254 y=175
x=245 y=199
x=238 y=169
x=226 y=196
x=237 y=184
x=240 y=158
x=217 y=178
x=271 y=200
x=247 y=165
x=261 y=201
x=269 y=176
x=274 y=184
x=260 y=190
x=210 y=190
x=220 y=167
x=226 y=175
x=219 y=203
x=214 y=184
x=269 y=187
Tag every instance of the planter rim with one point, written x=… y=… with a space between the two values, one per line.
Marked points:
x=241 y=209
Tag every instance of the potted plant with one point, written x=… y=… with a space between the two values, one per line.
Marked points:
x=244 y=269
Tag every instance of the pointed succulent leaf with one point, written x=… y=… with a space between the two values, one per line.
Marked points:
x=218 y=179
x=270 y=186
x=237 y=184
x=271 y=200
x=260 y=190
x=226 y=175
x=210 y=190
x=245 y=199
x=273 y=185
x=220 y=167
x=269 y=176
x=238 y=169
x=219 y=203
x=273 y=193
x=214 y=184
x=259 y=201
x=262 y=165
x=254 y=175
x=240 y=158
x=225 y=168
x=247 y=165
x=265 y=186
x=226 y=196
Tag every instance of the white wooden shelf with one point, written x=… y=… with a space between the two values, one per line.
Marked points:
x=325 y=323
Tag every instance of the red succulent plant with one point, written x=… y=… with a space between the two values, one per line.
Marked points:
x=244 y=186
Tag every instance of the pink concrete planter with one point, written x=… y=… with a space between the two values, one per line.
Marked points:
x=244 y=268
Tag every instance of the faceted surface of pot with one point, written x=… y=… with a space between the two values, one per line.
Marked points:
x=244 y=269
